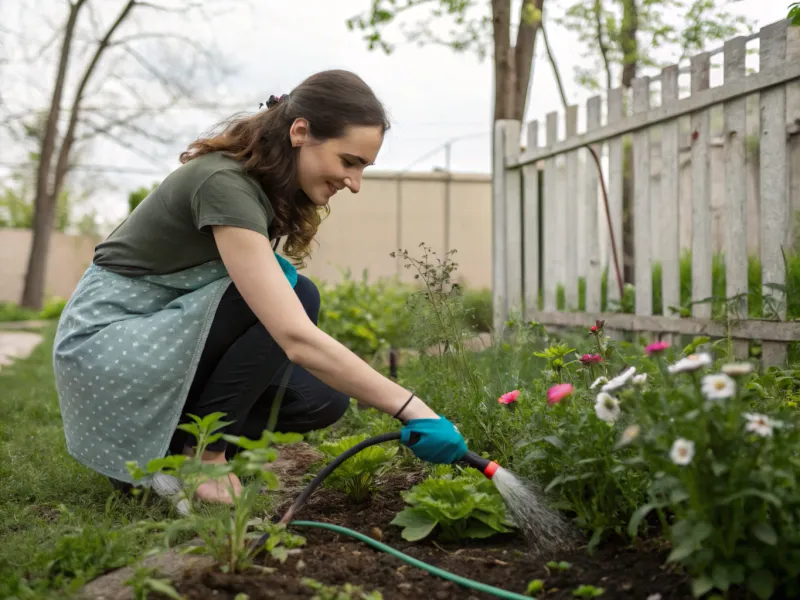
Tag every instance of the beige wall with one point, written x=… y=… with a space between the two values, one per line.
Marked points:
x=68 y=258
x=361 y=231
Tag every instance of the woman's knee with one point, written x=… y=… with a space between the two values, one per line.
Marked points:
x=311 y=417
x=309 y=296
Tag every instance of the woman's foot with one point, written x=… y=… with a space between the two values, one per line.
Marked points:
x=216 y=490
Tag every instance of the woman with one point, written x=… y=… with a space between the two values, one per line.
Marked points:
x=187 y=309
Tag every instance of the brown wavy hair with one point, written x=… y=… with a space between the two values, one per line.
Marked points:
x=330 y=101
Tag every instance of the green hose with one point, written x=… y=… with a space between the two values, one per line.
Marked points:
x=469 y=583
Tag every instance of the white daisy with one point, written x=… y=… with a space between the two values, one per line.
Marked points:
x=620 y=380
x=691 y=363
x=631 y=433
x=737 y=369
x=639 y=379
x=682 y=451
x=598 y=381
x=607 y=407
x=760 y=424
x=718 y=387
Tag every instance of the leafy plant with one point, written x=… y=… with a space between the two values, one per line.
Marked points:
x=227 y=536
x=144 y=580
x=348 y=591
x=463 y=506
x=587 y=591
x=357 y=475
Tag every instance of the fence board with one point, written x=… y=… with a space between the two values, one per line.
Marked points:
x=775 y=216
x=735 y=115
x=642 y=225
x=669 y=253
x=615 y=180
x=499 y=296
x=530 y=231
x=550 y=205
x=591 y=218
x=573 y=224
x=701 y=193
x=513 y=222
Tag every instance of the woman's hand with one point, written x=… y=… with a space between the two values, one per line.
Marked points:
x=435 y=440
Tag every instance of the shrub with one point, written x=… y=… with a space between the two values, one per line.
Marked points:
x=357 y=476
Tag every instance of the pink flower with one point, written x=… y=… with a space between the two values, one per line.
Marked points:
x=591 y=358
x=509 y=397
x=558 y=392
x=655 y=348
x=593 y=329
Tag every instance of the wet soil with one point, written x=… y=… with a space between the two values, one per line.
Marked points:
x=502 y=561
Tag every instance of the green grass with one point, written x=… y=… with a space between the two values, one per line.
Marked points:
x=60 y=523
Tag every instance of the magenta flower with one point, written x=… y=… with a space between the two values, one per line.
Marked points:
x=509 y=397
x=591 y=358
x=655 y=348
x=558 y=392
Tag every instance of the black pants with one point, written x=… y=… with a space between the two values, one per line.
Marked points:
x=241 y=372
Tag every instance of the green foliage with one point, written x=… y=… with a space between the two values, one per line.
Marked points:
x=137 y=196
x=794 y=13
x=348 y=591
x=460 y=506
x=227 y=537
x=51 y=310
x=145 y=580
x=357 y=476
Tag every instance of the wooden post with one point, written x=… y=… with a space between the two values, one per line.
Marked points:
x=734 y=139
x=670 y=254
x=551 y=234
x=530 y=227
x=572 y=223
x=775 y=217
x=513 y=193
x=592 y=218
x=701 y=194
x=499 y=290
x=643 y=240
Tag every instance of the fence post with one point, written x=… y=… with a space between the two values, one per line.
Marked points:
x=551 y=233
x=530 y=232
x=775 y=217
x=571 y=217
x=642 y=225
x=513 y=232
x=701 y=194
x=615 y=181
x=591 y=230
x=735 y=133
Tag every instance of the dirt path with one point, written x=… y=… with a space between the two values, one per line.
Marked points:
x=17 y=344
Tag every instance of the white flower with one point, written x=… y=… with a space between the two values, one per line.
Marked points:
x=654 y=597
x=682 y=451
x=620 y=380
x=691 y=363
x=639 y=379
x=607 y=407
x=734 y=369
x=718 y=387
x=598 y=381
x=631 y=433
x=761 y=424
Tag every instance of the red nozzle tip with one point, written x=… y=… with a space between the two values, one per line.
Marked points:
x=491 y=469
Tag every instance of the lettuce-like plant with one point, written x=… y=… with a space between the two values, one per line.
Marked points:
x=357 y=475
x=463 y=506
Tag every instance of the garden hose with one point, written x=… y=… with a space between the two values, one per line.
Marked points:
x=485 y=466
x=469 y=583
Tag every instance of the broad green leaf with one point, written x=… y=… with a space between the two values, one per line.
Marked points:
x=771 y=498
x=761 y=583
x=555 y=441
x=720 y=576
x=479 y=529
x=701 y=531
x=701 y=585
x=163 y=587
x=638 y=516
x=684 y=550
x=417 y=524
x=765 y=532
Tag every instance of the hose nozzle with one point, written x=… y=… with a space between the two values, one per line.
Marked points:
x=484 y=465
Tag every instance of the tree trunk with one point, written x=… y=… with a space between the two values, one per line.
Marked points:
x=630 y=60
x=44 y=202
x=523 y=55
x=501 y=23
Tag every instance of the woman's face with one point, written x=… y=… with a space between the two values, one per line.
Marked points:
x=324 y=168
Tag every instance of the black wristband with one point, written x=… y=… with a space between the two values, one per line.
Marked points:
x=402 y=408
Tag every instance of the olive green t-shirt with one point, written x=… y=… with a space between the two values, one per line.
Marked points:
x=171 y=229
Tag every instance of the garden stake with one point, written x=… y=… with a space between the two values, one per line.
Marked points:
x=544 y=529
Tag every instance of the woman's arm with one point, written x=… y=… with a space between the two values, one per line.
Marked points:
x=255 y=271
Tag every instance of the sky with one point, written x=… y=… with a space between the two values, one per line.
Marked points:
x=433 y=94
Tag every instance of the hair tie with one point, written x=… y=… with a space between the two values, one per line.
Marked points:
x=274 y=100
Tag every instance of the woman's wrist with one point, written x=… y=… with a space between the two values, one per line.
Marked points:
x=416 y=409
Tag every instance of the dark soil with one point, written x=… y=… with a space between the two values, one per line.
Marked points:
x=624 y=572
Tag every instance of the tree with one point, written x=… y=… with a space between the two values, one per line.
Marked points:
x=136 y=72
x=136 y=197
x=477 y=25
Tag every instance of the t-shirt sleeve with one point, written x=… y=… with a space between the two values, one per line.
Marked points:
x=229 y=197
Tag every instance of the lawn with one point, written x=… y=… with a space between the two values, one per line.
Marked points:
x=674 y=469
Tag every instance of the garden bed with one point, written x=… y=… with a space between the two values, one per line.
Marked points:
x=502 y=561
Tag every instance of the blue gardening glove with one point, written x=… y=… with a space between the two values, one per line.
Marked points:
x=434 y=440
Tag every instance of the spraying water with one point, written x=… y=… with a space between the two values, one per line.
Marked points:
x=544 y=529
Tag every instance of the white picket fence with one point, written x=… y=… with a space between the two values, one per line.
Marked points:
x=549 y=221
